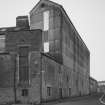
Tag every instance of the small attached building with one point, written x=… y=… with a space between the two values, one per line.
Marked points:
x=20 y=80
x=45 y=61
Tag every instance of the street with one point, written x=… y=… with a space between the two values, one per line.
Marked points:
x=86 y=100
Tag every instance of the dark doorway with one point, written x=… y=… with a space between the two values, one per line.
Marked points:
x=60 y=92
x=69 y=92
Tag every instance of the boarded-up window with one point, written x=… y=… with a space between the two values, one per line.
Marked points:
x=69 y=91
x=2 y=42
x=46 y=20
x=23 y=65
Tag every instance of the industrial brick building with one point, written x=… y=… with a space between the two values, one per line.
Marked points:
x=16 y=66
x=65 y=45
x=45 y=59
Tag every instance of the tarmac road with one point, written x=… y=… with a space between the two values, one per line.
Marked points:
x=86 y=100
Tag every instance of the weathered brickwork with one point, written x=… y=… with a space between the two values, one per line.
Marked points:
x=55 y=76
x=34 y=85
x=52 y=35
x=7 y=66
x=14 y=39
x=21 y=86
x=93 y=84
x=65 y=44
x=49 y=79
x=28 y=74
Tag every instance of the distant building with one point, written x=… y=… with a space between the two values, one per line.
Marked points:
x=93 y=85
x=101 y=86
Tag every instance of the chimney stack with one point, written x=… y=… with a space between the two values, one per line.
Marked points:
x=22 y=22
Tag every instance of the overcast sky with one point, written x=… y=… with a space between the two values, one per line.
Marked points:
x=88 y=16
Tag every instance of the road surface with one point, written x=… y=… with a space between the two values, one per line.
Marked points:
x=86 y=100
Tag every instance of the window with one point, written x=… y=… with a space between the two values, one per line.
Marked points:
x=49 y=91
x=23 y=65
x=60 y=92
x=46 y=47
x=46 y=20
x=2 y=42
x=24 y=92
x=76 y=83
x=69 y=91
x=67 y=78
x=82 y=84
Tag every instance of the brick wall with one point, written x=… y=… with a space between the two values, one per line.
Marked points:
x=53 y=34
x=32 y=38
x=34 y=86
x=9 y=62
x=7 y=67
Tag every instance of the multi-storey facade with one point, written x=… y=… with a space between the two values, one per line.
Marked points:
x=65 y=44
x=19 y=78
x=45 y=60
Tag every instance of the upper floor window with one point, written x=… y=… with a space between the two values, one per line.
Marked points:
x=2 y=43
x=46 y=20
x=46 y=47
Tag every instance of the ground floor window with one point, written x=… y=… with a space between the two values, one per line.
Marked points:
x=24 y=92
x=48 y=91
x=69 y=91
x=60 y=92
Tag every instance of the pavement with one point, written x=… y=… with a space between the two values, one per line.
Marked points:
x=102 y=99
x=93 y=99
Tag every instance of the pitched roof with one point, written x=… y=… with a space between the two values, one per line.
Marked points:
x=51 y=3
x=47 y=2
